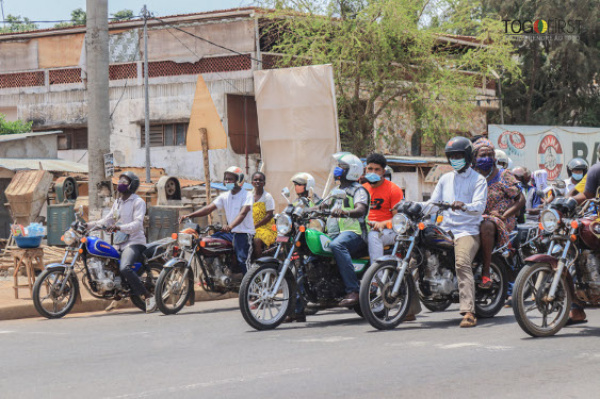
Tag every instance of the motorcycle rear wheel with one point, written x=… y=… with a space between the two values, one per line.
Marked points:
x=488 y=303
x=531 y=311
x=149 y=281
x=173 y=290
x=381 y=310
x=47 y=287
x=260 y=311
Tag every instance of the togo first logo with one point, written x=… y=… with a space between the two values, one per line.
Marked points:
x=512 y=142
x=550 y=156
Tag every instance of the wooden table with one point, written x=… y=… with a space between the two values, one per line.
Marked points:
x=25 y=258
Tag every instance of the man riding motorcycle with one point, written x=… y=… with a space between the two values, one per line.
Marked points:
x=466 y=190
x=237 y=204
x=126 y=219
x=351 y=231
x=576 y=169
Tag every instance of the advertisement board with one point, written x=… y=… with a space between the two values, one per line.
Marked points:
x=546 y=147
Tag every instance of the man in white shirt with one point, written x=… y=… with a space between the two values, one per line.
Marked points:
x=237 y=204
x=466 y=190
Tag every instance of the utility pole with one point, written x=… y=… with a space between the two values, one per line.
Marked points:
x=96 y=46
x=146 y=14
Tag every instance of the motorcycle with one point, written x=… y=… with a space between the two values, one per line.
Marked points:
x=422 y=264
x=268 y=290
x=546 y=287
x=209 y=259
x=56 y=289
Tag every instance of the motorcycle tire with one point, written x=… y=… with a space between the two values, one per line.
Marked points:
x=499 y=290
x=257 y=282
x=378 y=314
x=436 y=306
x=72 y=288
x=155 y=270
x=537 y=278
x=164 y=287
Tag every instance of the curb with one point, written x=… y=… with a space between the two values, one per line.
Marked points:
x=27 y=310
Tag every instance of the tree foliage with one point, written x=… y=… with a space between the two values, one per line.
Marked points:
x=123 y=15
x=560 y=79
x=387 y=55
x=18 y=126
x=17 y=24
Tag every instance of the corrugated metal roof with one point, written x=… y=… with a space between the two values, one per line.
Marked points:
x=52 y=165
x=21 y=136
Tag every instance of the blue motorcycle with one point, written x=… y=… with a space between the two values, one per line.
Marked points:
x=56 y=289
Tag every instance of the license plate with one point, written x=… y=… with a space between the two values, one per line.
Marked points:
x=282 y=239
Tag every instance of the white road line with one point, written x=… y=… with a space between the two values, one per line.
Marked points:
x=327 y=340
x=208 y=384
x=6 y=332
x=459 y=345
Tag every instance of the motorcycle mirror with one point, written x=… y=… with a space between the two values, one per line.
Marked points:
x=286 y=194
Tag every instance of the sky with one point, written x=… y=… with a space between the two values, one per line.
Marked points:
x=45 y=10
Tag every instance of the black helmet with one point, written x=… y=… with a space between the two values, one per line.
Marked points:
x=577 y=163
x=134 y=181
x=461 y=145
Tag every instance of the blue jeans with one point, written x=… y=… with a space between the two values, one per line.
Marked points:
x=242 y=244
x=343 y=246
x=130 y=255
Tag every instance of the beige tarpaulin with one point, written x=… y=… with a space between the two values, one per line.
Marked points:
x=60 y=51
x=205 y=115
x=297 y=120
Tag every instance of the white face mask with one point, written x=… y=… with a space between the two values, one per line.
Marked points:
x=577 y=176
x=458 y=164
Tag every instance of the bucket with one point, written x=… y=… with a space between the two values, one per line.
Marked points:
x=28 y=242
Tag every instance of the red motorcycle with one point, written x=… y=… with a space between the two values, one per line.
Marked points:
x=549 y=283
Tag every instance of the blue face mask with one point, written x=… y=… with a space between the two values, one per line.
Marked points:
x=458 y=164
x=577 y=176
x=484 y=164
x=338 y=172
x=229 y=186
x=373 y=177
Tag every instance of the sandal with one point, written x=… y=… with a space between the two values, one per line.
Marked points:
x=468 y=321
x=485 y=284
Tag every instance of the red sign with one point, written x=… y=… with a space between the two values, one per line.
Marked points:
x=514 y=139
x=550 y=156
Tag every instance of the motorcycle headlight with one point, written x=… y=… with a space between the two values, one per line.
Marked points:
x=184 y=240
x=550 y=220
x=284 y=224
x=70 y=238
x=400 y=223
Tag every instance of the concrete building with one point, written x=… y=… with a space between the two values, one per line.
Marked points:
x=43 y=79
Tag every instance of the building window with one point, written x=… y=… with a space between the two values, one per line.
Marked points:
x=242 y=123
x=165 y=134
x=73 y=139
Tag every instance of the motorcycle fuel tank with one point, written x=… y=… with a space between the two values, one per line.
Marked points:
x=436 y=237
x=214 y=246
x=97 y=247
x=318 y=243
x=590 y=233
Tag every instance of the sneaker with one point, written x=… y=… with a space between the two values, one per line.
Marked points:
x=150 y=304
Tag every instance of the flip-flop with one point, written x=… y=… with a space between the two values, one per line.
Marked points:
x=572 y=322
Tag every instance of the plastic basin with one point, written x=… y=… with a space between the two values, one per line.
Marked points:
x=28 y=242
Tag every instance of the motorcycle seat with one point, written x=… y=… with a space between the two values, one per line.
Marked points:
x=152 y=249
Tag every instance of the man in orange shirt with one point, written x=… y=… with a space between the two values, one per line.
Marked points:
x=384 y=195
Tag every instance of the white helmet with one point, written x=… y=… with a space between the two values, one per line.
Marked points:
x=352 y=165
x=502 y=159
x=304 y=179
x=239 y=175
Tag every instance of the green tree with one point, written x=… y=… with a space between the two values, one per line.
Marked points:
x=7 y=127
x=123 y=15
x=390 y=61
x=559 y=82
x=18 y=24
x=78 y=17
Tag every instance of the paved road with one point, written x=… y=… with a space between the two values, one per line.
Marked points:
x=208 y=351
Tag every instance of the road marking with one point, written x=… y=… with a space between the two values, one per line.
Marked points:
x=6 y=332
x=208 y=384
x=459 y=345
x=409 y=344
x=327 y=340
x=491 y=348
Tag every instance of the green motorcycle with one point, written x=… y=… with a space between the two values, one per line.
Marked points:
x=268 y=290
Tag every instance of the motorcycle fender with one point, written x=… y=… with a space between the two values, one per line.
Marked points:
x=266 y=259
x=174 y=262
x=543 y=258
x=388 y=258
x=62 y=266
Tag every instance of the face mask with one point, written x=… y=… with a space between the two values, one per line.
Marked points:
x=577 y=176
x=372 y=177
x=458 y=164
x=229 y=186
x=122 y=188
x=484 y=164
x=338 y=172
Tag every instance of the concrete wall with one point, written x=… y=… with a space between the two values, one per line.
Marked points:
x=30 y=147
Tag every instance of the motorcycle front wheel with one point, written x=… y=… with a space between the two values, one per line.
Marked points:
x=173 y=288
x=54 y=294
x=382 y=310
x=536 y=315
x=259 y=309
x=149 y=279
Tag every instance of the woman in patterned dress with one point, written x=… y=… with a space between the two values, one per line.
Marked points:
x=504 y=202
x=262 y=212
